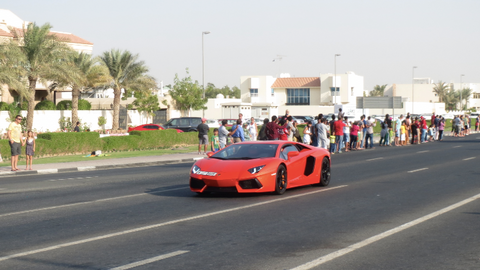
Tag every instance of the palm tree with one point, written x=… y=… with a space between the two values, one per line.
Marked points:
x=378 y=90
x=441 y=89
x=38 y=56
x=126 y=73
x=466 y=93
x=451 y=98
x=91 y=76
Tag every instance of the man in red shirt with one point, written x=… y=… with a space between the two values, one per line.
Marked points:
x=338 y=127
x=271 y=129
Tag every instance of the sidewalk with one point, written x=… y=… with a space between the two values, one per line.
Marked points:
x=105 y=164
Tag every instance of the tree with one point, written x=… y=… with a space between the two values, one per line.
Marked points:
x=441 y=89
x=187 y=94
x=146 y=102
x=378 y=91
x=36 y=55
x=451 y=98
x=126 y=73
x=466 y=93
x=91 y=75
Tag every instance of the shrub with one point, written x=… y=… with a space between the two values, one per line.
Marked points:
x=69 y=142
x=23 y=106
x=84 y=105
x=45 y=105
x=64 y=105
x=4 y=106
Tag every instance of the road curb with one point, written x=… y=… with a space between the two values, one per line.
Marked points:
x=101 y=167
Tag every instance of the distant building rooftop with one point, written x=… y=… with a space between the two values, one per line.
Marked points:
x=296 y=82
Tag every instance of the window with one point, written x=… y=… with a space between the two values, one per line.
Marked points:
x=285 y=150
x=476 y=95
x=253 y=92
x=298 y=96
x=273 y=92
x=335 y=91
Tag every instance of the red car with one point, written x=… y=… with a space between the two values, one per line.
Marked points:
x=266 y=166
x=149 y=127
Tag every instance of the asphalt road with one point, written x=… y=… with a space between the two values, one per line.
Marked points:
x=413 y=207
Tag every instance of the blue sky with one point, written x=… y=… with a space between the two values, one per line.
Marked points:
x=380 y=40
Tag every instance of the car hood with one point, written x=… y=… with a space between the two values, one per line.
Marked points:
x=234 y=168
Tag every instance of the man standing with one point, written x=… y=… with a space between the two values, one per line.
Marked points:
x=271 y=129
x=340 y=113
x=202 y=136
x=223 y=134
x=14 y=136
x=77 y=127
x=238 y=136
x=398 y=125
x=338 y=127
x=364 y=130
x=369 y=136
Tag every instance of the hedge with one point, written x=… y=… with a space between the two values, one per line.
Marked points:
x=45 y=105
x=56 y=144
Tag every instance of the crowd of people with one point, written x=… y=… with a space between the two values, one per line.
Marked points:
x=338 y=134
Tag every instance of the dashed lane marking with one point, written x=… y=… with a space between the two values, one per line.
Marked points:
x=374 y=158
x=151 y=260
x=373 y=239
x=82 y=203
x=470 y=158
x=424 y=151
x=417 y=170
x=457 y=146
x=158 y=225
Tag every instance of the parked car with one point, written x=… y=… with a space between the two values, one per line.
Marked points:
x=303 y=118
x=212 y=123
x=149 y=127
x=185 y=124
x=258 y=121
x=299 y=121
x=230 y=122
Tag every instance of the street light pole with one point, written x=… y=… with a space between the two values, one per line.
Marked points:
x=413 y=88
x=203 y=69
x=461 y=90
x=335 y=77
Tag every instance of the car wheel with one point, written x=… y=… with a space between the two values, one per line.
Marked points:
x=281 y=180
x=325 y=173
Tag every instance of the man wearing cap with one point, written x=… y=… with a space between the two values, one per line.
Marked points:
x=202 y=136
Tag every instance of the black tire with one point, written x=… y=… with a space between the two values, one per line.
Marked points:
x=325 y=173
x=281 y=180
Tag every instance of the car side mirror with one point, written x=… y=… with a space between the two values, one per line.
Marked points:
x=293 y=154
x=209 y=154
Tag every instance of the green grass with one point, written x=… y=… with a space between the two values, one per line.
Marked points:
x=123 y=154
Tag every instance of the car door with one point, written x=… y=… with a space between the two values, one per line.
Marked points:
x=295 y=165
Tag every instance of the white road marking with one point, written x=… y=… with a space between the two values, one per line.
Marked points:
x=88 y=177
x=373 y=239
x=197 y=158
x=374 y=159
x=86 y=168
x=425 y=151
x=147 y=261
x=45 y=171
x=469 y=158
x=417 y=170
x=82 y=203
x=87 y=240
x=457 y=146
x=2 y=188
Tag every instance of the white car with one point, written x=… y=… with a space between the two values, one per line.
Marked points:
x=212 y=123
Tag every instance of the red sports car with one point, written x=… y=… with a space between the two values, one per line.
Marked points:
x=150 y=127
x=266 y=166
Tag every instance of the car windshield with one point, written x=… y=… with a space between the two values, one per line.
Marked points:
x=247 y=151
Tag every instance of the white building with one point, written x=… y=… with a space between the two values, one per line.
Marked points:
x=10 y=22
x=270 y=96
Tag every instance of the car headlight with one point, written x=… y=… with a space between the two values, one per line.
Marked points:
x=195 y=169
x=255 y=170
